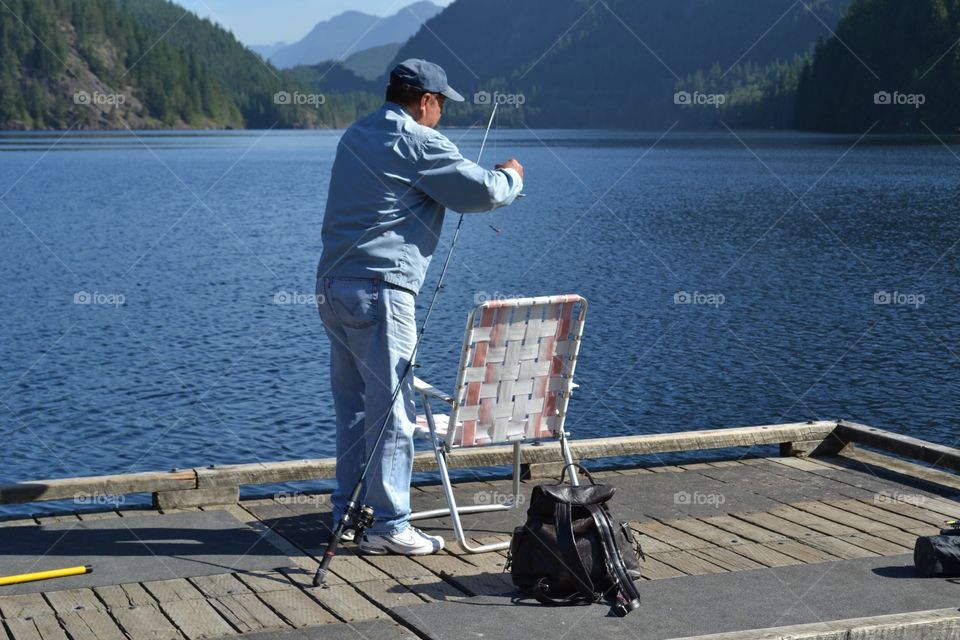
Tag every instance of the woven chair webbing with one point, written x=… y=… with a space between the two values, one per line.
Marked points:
x=516 y=377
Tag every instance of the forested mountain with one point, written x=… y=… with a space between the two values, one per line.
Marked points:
x=370 y=63
x=894 y=64
x=619 y=63
x=143 y=64
x=642 y=64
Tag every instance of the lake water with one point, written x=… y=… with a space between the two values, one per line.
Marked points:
x=142 y=326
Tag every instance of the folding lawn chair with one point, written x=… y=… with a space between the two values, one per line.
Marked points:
x=513 y=385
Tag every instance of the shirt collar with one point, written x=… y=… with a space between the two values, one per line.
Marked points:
x=397 y=108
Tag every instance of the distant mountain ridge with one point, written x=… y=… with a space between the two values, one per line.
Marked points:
x=267 y=50
x=370 y=63
x=352 y=32
x=619 y=63
x=632 y=64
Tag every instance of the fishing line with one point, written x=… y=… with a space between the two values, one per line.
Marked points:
x=365 y=518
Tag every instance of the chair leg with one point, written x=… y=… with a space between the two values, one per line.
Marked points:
x=516 y=475
x=568 y=459
x=455 y=514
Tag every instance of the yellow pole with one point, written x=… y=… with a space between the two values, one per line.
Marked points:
x=45 y=575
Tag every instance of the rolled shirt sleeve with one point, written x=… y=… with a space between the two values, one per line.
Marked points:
x=460 y=184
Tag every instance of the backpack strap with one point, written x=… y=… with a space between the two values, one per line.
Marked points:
x=567 y=545
x=628 y=598
x=539 y=591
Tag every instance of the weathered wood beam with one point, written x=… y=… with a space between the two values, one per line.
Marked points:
x=220 y=480
x=937 y=455
x=93 y=488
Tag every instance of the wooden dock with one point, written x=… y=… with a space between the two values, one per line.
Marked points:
x=834 y=495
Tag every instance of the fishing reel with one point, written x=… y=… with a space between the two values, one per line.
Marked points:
x=363 y=521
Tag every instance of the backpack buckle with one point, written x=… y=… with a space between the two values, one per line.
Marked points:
x=623 y=607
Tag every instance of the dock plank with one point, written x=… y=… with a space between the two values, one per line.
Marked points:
x=852 y=520
x=353 y=568
x=687 y=563
x=433 y=588
x=423 y=582
x=903 y=538
x=74 y=599
x=949 y=508
x=145 y=622
x=297 y=608
x=648 y=544
x=764 y=555
x=124 y=595
x=839 y=547
x=346 y=603
x=399 y=567
x=726 y=558
x=28 y=605
x=672 y=536
x=45 y=627
x=388 y=593
x=247 y=613
x=90 y=624
x=819 y=524
x=700 y=529
x=265 y=581
x=196 y=618
x=802 y=552
x=83 y=615
x=872 y=512
x=917 y=512
x=172 y=590
x=775 y=523
x=490 y=561
x=876 y=544
x=477 y=582
x=444 y=564
x=653 y=569
x=19 y=522
x=743 y=529
x=221 y=584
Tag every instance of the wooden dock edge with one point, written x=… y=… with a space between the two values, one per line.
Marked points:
x=933 y=454
x=220 y=484
x=936 y=623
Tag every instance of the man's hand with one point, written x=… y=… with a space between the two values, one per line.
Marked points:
x=512 y=164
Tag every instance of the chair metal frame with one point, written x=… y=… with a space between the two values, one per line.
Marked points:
x=518 y=356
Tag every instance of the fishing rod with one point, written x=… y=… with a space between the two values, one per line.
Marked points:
x=364 y=519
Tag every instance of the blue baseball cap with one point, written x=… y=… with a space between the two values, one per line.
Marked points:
x=425 y=75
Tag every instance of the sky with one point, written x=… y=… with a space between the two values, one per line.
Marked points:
x=270 y=21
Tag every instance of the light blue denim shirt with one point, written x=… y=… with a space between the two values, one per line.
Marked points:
x=392 y=179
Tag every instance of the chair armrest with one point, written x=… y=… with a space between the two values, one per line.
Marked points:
x=430 y=391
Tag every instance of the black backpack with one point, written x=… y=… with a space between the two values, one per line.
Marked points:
x=572 y=551
x=938 y=555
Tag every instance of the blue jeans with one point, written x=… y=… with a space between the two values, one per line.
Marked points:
x=372 y=333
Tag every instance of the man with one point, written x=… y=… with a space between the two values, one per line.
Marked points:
x=392 y=179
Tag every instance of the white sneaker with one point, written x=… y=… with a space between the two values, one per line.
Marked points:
x=348 y=535
x=409 y=542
